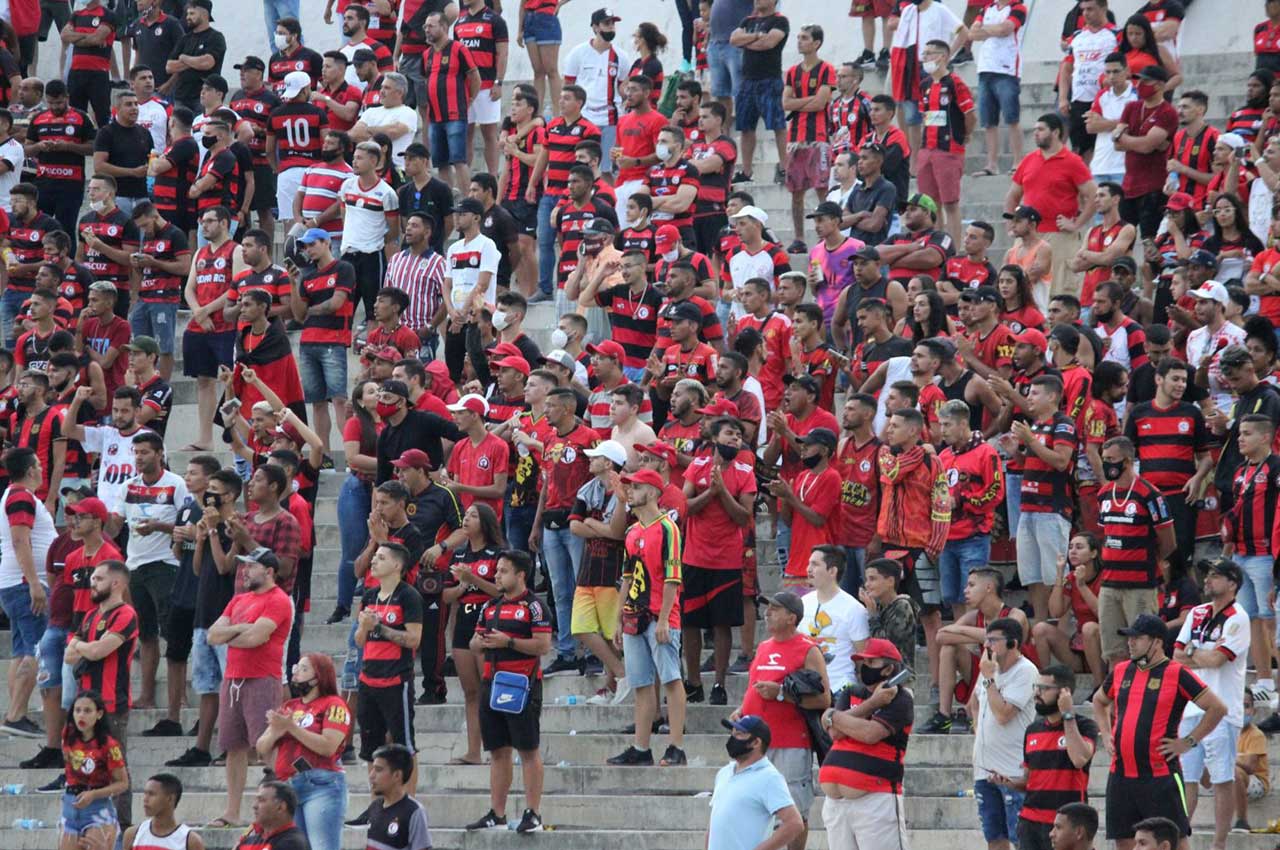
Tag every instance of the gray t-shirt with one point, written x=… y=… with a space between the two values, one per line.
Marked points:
x=725 y=17
x=998 y=746
x=866 y=198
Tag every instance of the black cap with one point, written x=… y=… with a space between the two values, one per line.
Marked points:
x=364 y=54
x=417 y=149
x=1228 y=569
x=1125 y=262
x=599 y=227
x=471 y=205
x=399 y=388
x=979 y=294
x=217 y=82
x=261 y=555
x=827 y=208
x=788 y=600
x=1201 y=257
x=207 y=5
x=1026 y=211
x=1145 y=624
x=1155 y=73
x=599 y=16
x=809 y=382
x=251 y=62
x=820 y=437
x=683 y=311
x=752 y=725
x=867 y=252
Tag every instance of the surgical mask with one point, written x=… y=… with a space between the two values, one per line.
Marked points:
x=727 y=453
x=282 y=41
x=1044 y=709
x=812 y=461
x=387 y=409
x=930 y=67
x=559 y=339
x=301 y=689
x=208 y=141
x=737 y=747
x=332 y=155
x=1147 y=90
x=1112 y=470
x=1104 y=317
x=97 y=206
x=671 y=256
x=871 y=676
x=608 y=35
x=501 y=319
x=663 y=151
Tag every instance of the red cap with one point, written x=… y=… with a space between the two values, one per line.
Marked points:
x=661 y=449
x=720 y=407
x=412 y=459
x=290 y=433
x=518 y=363
x=644 y=476
x=1034 y=338
x=607 y=348
x=1180 y=201
x=472 y=402
x=878 y=648
x=505 y=349
x=93 y=506
x=388 y=353
x=666 y=238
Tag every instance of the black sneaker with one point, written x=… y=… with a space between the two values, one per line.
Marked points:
x=882 y=61
x=798 y=247
x=165 y=729
x=339 y=614
x=694 y=693
x=23 y=728
x=659 y=727
x=54 y=786
x=866 y=60
x=326 y=464
x=194 y=730
x=718 y=695
x=740 y=667
x=674 y=757
x=46 y=759
x=361 y=819
x=960 y=722
x=349 y=755
x=631 y=757
x=489 y=821
x=529 y=822
x=1271 y=725
x=964 y=56
x=193 y=757
x=741 y=177
x=779 y=174
x=563 y=666
x=593 y=667
x=293 y=325
x=939 y=724
x=428 y=698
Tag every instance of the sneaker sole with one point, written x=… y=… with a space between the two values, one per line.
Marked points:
x=22 y=733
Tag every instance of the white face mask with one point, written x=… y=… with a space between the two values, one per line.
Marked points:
x=559 y=339
x=282 y=41
x=671 y=256
x=930 y=67
x=97 y=206
x=663 y=151
x=500 y=320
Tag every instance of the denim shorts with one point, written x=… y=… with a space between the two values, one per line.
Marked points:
x=207 y=663
x=355 y=655
x=725 y=62
x=99 y=813
x=998 y=95
x=26 y=628
x=646 y=659
x=758 y=99
x=1256 y=590
x=203 y=353
x=998 y=809
x=448 y=142
x=957 y=559
x=911 y=115
x=1216 y=754
x=53 y=645
x=323 y=368
x=157 y=321
x=542 y=28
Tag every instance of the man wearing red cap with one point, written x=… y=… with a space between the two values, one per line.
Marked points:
x=607 y=363
x=1028 y=364
x=861 y=777
x=477 y=468
x=687 y=357
x=507 y=394
x=662 y=458
x=672 y=250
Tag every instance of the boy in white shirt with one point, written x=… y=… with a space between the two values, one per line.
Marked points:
x=832 y=617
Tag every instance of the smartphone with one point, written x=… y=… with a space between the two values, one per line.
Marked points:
x=137 y=255
x=231 y=407
x=289 y=265
x=898 y=678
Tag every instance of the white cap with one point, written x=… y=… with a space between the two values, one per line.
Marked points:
x=561 y=358
x=611 y=449
x=1232 y=140
x=294 y=82
x=473 y=402
x=750 y=211
x=1210 y=290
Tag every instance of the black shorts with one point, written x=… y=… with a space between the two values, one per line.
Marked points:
x=179 y=627
x=385 y=716
x=710 y=598
x=522 y=731
x=150 y=586
x=1033 y=835
x=1133 y=800
x=464 y=623
x=706 y=232
x=1082 y=141
x=53 y=13
x=526 y=216
x=203 y=353
x=264 y=188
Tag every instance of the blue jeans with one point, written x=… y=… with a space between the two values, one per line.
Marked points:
x=322 y=804
x=782 y=542
x=355 y=501
x=855 y=560
x=563 y=551
x=26 y=628
x=156 y=320
x=272 y=12
x=998 y=809
x=518 y=524
x=958 y=558
x=998 y=95
x=349 y=679
x=1012 y=500
x=448 y=142
x=323 y=369
x=10 y=304
x=546 y=245
x=725 y=63
x=1256 y=590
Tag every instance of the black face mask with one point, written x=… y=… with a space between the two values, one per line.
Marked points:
x=812 y=461
x=738 y=747
x=213 y=500
x=871 y=676
x=1045 y=709
x=1112 y=470
x=331 y=156
x=301 y=689
x=207 y=142
x=1104 y=317
x=727 y=453
x=608 y=35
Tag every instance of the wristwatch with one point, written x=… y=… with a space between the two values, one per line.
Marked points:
x=986 y=683
x=1068 y=715
x=780 y=697
x=511 y=643
x=1190 y=739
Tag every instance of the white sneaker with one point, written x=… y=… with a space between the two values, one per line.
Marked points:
x=602 y=697
x=623 y=691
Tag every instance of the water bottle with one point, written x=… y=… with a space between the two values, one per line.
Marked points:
x=151 y=178
x=965 y=792
x=572 y=699
x=28 y=824
x=13 y=789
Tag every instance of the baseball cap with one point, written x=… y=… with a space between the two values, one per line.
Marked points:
x=751 y=211
x=683 y=311
x=1232 y=140
x=472 y=402
x=395 y=387
x=752 y=725
x=643 y=476
x=600 y=16
x=599 y=227
x=364 y=54
x=217 y=82
x=92 y=506
x=809 y=382
x=606 y=348
x=867 y=252
x=1026 y=211
x=611 y=449
x=1180 y=201
x=84 y=491
x=1201 y=257
x=878 y=648
x=1033 y=337
x=145 y=344
x=261 y=555
x=1155 y=73
x=290 y=433
x=666 y=238
x=207 y=5
x=561 y=358
x=412 y=459
x=1228 y=569
x=979 y=294
x=251 y=62
x=313 y=234
x=820 y=437
x=788 y=600
x=505 y=349
x=1210 y=290
x=1125 y=262
x=920 y=199
x=827 y=208
x=720 y=407
x=471 y=205
x=388 y=353
x=662 y=449
x=1145 y=624
x=518 y=363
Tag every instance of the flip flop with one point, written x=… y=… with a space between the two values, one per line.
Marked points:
x=222 y=823
x=458 y=761
x=985 y=172
x=192 y=447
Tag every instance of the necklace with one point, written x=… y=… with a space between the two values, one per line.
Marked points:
x=1120 y=503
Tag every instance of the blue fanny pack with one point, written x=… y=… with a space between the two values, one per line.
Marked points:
x=509 y=692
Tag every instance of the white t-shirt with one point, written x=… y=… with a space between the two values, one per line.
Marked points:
x=836 y=625
x=1108 y=104
x=744 y=265
x=377 y=117
x=601 y=75
x=1227 y=633
x=1089 y=51
x=1260 y=200
x=116 y=466
x=896 y=369
x=997 y=747
x=465 y=261
x=365 y=214
x=918 y=27
x=42 y=536
x=752 y=385
x=154 y=117
x=158 y=502
x=1001 y=55
x=12 y=153
x=1199 y=342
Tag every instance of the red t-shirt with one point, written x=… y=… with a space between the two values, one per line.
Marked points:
x=89 y=764
x=860 y=491
x=712 y=540
x=1052 y=185
x=565 y=467
x=265 y=661
x=638 y=137
x=318 y=716
x=820 y=491
x=477 y=466
x=1146 y=172
x=102 y=336
x=1268 y=305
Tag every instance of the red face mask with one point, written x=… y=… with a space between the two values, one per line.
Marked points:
x=1147 y=90
x=388 y=409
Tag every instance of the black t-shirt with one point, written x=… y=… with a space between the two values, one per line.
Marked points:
x=436 y=200
x=882 y=193
x=126 y=147
x=402 y=825
x=1142 y=386
x=1263 y=399
x=185 y=582
x=244 y=158
x=434 y=508
x=213 y=591
x=208 y=42
x=154 y=43
x=764 y=64
x=418 y=430
x=500 y=226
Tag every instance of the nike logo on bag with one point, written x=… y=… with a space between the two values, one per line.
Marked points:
x=504 y=698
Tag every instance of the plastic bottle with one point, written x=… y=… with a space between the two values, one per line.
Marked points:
x=151 y=178
x=572 y=699
x=13 y=789
x=965 y=792
x=28 y=824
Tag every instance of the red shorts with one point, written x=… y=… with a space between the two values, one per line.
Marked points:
x=939 y=174
x=809 y=167
x=871 y=9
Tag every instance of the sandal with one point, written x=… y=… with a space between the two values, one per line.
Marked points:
x=458 y=761
x=222 y=823
x=985 y=172
x=192 y=447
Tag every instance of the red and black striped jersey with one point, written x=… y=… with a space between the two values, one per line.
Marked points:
x=1129 y=518
x=1255 y=489
x=26 y=239
x=272 y=280
x=1266 y=39
x=1168 y=440
x=382 y=28
x=713 y=186
x=562 y=138
x=298 y=130
x=643 y=237
x=944 y=104
x=967 y=273
x=871 y=768
x=318 y=287
x=483 y=563
x=651 y=68
x=1245 y=122
x=109 y=675
x=710 y=331
x=225 y=167
x=86 y=22
x=74 y=288
x=520 y=618
x=159 y=286
x=665 y=182
x=699 y=363
x=481 y=34
x=604 y=191
x=78 y=572
x=446 y=74
x=1045 y=489
x=372 y=95
x=809 y=127
x=1053 y=780
x=570 y=222
x=31 y=351
x=819 y=362
x=519 y=174
x=701 y=266
x=1148 y=708
x=386 y=664
x=170 y=192
x=213 y=280
x=633 y=319
x=39 y=433
x=256 y=107
x=1194 y=152
x=117 y=231
x=302 y=59
x=71 y=126
x=853 y=116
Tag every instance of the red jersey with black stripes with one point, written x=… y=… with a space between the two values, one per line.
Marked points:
x=1249 y=525
x=633 y=318
x=1149 y=702
x=1130 y=518
x=256 y=107
x=520 y=618
x=298 y=130
x=39 y=432
x=26 y=240
x=1168 y=440
x=665 y=181
x=86 y=21
x=159 y=286
x=60 y=168
x=713 y=186
x=387 y=664
x=815 y=126
x=481 y=33
x=446 y=72
x=213 y=279
x=853 y=116
x=1053 y=780
x=698 y=363
x=382 y=28
x=519 y=173
x=561 y=138
x=109 y=675
x=1194 y=152
x=944 y=104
